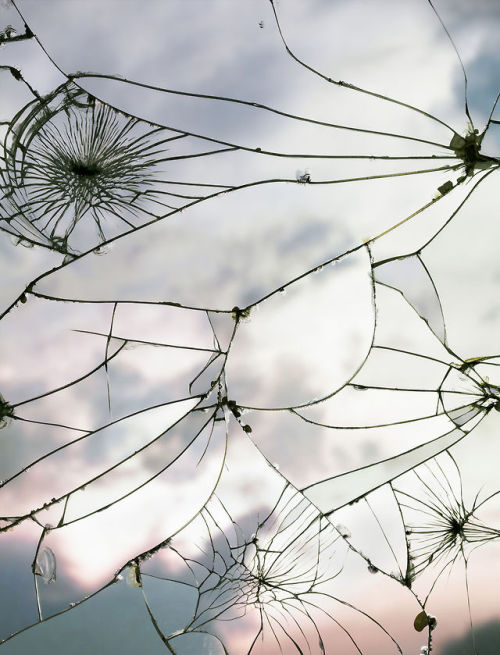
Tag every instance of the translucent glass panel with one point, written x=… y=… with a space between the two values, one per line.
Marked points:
x=249 y=327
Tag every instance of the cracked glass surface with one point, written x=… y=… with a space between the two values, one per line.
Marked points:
x=249 y=327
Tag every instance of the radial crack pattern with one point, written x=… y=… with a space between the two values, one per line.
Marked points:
x=264 y=420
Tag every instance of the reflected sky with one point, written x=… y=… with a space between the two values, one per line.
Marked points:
x=304 y=291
